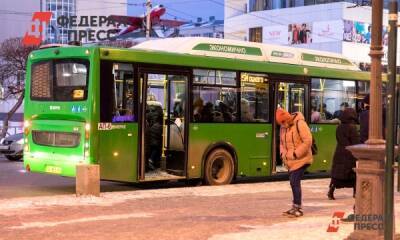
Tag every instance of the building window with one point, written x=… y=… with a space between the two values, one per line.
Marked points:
x=255 y=34
x=257 y=5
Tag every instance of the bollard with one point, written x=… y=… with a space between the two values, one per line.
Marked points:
x=87 y=180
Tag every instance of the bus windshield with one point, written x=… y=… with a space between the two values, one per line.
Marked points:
x=62 y=80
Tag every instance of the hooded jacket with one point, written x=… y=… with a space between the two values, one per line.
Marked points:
x=346 y=135
x=295 y=145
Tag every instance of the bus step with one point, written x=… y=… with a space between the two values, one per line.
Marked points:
x=159 y=174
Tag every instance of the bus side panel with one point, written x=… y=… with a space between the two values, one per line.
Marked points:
x=325 y=138
x=117 y=152
x=252 y=143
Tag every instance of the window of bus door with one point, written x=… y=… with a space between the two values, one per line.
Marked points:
x=291 y=96
x=165 y=116
x=160 y=87
x=117 y=93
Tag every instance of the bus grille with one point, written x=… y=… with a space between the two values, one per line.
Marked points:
x=41 y=82
x=56 y=139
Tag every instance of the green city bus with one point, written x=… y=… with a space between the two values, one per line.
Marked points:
x=180 y=108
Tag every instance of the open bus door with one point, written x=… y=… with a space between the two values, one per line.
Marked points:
x=291 y=96
x=164 y=119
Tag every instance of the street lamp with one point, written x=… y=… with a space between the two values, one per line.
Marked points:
x=390 y=122
x=370 y=164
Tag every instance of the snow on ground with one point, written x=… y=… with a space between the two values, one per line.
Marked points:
x=8 y=206
x=300 y=228
x=81 y=220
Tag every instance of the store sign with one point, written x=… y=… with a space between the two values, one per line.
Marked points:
x=275 y=34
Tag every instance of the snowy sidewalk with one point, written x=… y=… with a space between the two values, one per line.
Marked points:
x=238 y=211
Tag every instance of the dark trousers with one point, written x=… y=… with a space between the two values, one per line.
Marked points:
x=295 y=183
x=155 y=156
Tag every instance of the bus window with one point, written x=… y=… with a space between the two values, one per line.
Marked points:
x=117 y=93
x=330 y=97
x=254 y=101
x=60 y=80
x=214 y=96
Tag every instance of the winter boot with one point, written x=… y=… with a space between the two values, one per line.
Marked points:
x=330 y=192
x=289 y=212
x=298 y=212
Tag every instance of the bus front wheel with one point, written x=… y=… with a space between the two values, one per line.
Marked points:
x=219 y=167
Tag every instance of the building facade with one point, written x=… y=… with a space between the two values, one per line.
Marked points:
x=341 y=27
x=67 y=8
x=212 y=28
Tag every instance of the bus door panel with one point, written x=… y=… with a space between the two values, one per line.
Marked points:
x=255 y=118
x=292 y=97
x=118 y=127
x=163 y=137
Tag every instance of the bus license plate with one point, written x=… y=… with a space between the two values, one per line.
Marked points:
x=53 y=169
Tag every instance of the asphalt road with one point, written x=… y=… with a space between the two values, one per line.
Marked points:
x=15 y=182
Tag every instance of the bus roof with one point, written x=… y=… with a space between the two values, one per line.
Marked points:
x=233 y=49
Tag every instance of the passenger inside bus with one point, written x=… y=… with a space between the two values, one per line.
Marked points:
x=154 y=118
x=326 y=115
x=315 y=115
x=246 y=115
x=343 y=106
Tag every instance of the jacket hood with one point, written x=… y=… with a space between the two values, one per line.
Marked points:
x=349 y=115
x=298 y=116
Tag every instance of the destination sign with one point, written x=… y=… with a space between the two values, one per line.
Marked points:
x=251 y=78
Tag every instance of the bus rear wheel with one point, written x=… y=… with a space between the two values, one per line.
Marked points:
x=219 y=168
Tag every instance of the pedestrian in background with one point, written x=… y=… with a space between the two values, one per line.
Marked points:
x=295 y=152
x=342 y=173
x=364 y=120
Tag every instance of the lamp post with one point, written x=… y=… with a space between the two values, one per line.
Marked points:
x=148 y=19
x=390 y=122
x=370 y=164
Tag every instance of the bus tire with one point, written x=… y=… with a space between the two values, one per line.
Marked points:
x=219 y=167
